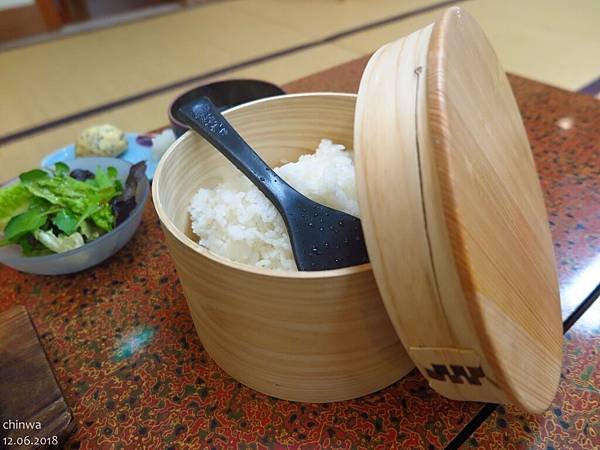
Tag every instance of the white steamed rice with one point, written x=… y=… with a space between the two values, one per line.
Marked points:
x=237 y=221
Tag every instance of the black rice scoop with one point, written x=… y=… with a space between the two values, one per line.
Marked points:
x=322 y=238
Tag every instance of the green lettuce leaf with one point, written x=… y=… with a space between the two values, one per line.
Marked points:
x=104 y=218
x=60 y=168
x=82 y=198
x=33 y=175
x=105 y=178
x=24 y=223
x=65 y=221
x=45 y=203
x=14 y=199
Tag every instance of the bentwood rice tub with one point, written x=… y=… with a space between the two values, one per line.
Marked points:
x=453 y=218
x=305 y=336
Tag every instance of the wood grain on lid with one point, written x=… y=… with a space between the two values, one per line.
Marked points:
x=494 y=211
x=454 y=217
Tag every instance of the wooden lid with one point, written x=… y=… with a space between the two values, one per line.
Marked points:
x=454 y=217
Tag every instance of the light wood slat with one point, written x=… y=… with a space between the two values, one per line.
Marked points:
x=28 y=390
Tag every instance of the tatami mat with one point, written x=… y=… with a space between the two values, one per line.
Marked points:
x=58 y=78
x=151 y=113
x=552 y=41
x=61 y=77
x=320 y=19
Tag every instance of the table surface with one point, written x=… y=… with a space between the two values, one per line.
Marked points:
x=123 y=347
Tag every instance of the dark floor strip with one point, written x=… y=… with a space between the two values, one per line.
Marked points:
x=592 y=88
x=198 y=78
x=489 y=408
x=472 y=426
x=581 y=309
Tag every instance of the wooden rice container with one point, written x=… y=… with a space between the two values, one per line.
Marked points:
x=454 y=215
x=305 y=336
x=454 y=222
